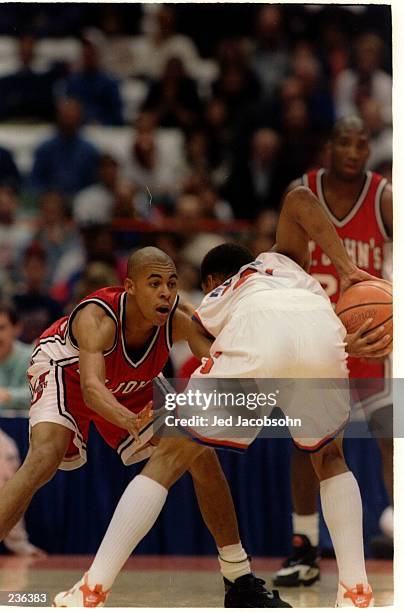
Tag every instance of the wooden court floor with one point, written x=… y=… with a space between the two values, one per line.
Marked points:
x=175 y=582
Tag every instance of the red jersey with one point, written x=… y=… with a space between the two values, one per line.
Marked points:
x=363 y=234
x=129 y=375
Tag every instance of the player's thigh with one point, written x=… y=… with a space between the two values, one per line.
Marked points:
x=48 y=443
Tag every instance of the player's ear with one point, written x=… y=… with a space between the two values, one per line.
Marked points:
x=207 y=284
x=129 y=286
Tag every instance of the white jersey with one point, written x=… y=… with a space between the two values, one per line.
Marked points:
x=270 y=277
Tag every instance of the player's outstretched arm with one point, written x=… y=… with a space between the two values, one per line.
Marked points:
x=185 y=328
x=95 y=332
x=302 y=217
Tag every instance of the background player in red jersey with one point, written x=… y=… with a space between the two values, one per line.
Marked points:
x=98 y=366
x=359 y=203
x=244 y=356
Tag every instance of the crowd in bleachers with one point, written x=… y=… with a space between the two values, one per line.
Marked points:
x=123 y=125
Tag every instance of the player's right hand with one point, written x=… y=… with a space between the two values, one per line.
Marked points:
x=356 y=275
x=371 y=345
x=136 y=422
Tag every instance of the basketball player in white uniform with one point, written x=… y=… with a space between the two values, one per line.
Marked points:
x=280 y=325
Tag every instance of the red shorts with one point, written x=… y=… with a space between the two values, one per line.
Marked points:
x=57 y=398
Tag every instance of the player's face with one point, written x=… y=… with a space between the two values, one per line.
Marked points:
x=349 y=153
x=8 y=333
x=154 y=288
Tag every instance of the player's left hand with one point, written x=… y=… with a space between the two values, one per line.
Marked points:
x=355 y=276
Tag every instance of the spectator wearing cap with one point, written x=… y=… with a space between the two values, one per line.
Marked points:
x=65 y=162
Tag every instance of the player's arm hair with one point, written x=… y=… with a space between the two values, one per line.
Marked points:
x=185 y=328
x=386 y=209
x=94 y=332
x=302 y=217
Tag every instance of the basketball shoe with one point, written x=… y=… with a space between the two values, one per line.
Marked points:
x=359 y=596
x=249 y=592
x=81 y=596
x=301 y=568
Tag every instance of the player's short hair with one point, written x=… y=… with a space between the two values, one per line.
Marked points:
x=8 y=308
x=225 y=260
x=350 y=122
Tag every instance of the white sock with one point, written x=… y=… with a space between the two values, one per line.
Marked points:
x=386 y=522
x=233 y=561
x=342 y=509
x=308 y=525
x=135 y=514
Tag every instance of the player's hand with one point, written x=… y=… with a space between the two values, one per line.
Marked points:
x=371 y=345
x=135 y=422
x=356 y=275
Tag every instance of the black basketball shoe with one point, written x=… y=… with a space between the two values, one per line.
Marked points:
x=249 y=592
x=301 y=568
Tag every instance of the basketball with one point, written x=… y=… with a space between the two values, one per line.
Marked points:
x=372 y=299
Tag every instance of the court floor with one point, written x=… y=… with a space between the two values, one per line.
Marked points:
x=175 y=582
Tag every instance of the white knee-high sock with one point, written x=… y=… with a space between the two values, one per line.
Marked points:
x=342 y=509
x=135 y=514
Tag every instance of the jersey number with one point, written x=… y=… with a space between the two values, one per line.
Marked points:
x=328 y=282
x=208 y=363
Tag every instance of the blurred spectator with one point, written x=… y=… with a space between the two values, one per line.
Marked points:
x=213 y=206
x=150 y=167
x=96 y=275
x=263 y=232
x=219 y=137
x=28 y=92
x=381 y=136
x=114 y=46
x=334 y=49
x=55 y=233
x=36 y=309
x=65 y=162
x=195 y=242
x=96 y=90
x=95 y=204
x=9 y=173
x=254 y=185
x=365 y=80
x=270 y=61
x=174 y=98
x=307 y=69
x=14 y=395
x=14 y=235
x=236 y=85
x=301 y=144
x=161 y=42
x=385 y=168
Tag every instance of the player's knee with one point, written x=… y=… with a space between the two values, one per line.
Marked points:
x=329 y=461
x=42 y=462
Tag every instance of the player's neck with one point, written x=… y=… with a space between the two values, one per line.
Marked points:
x=336 y=184
x=136 y=326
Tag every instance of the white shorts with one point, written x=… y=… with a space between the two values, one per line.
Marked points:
x=290 y=345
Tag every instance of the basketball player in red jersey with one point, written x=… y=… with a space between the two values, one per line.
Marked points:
x=98 y=366
x=359 y=203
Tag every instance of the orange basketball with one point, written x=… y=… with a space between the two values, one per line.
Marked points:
x=372 y=299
